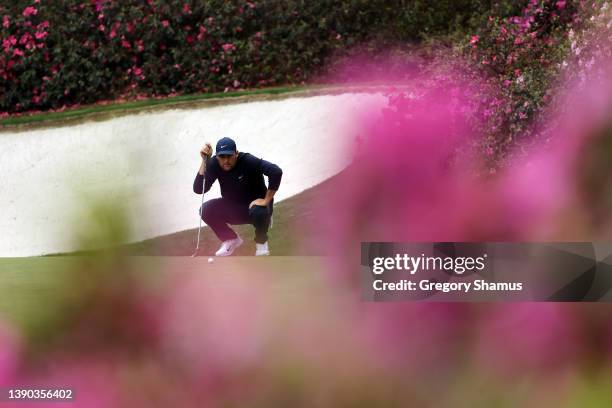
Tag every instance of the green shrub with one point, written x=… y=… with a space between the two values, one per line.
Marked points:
x=79 y=52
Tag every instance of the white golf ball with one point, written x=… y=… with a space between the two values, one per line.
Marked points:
x=211 y=260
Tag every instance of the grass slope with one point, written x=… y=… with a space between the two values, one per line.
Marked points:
x=131 y=107
x=110 y=110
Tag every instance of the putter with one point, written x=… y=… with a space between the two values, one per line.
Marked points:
x=200 y=227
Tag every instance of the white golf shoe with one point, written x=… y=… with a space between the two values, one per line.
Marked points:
x=228 y=247
x=262 y=249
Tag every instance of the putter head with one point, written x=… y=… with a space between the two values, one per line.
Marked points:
x=194 y=254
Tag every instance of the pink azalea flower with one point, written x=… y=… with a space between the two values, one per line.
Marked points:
x=5 y=22
x=25 y=38
x=560 y=5
x=228 y=47
x=165 y=23
x=28 y=11
x=17 y=53
x=474 y=40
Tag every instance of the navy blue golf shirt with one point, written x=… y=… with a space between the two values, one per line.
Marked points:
x=245 y=182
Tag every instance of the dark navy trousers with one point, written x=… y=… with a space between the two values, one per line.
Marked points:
x=220 y=212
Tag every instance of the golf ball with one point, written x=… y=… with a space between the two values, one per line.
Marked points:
x=210 y=260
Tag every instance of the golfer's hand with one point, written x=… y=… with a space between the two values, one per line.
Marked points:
x=259 y=201
x=206 y=151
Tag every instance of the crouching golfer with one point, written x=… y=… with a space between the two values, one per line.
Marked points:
x=244 y=196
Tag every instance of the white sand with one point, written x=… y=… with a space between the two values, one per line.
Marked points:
x=147 y=163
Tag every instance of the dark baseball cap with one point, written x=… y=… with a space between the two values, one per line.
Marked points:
x=226 y=146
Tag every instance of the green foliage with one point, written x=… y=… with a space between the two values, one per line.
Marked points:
x=80 y=52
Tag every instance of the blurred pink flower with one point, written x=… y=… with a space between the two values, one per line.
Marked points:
x=99 y=5
x=228 y=47
x=28 y=11
x=417 y=182
x=519 y=338
x=5 y=22
x=208 y=330
x=25 y=38
x=10 y=350
x=165 y=23
x=96 y=380
x=419 y=340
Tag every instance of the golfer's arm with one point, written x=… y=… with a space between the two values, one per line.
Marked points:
x=202 y=170
x=203 y=178
x=274 y=173
x=269 y=196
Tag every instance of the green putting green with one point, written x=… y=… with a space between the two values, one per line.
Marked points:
x=43 y=294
